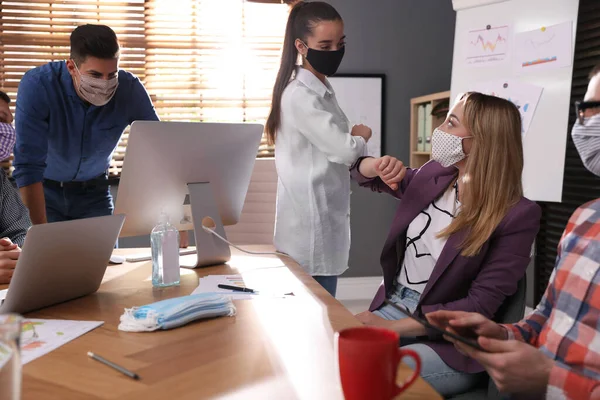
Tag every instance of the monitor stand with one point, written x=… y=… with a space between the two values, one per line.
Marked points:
x=210 y=250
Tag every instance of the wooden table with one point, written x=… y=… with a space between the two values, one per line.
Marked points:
x=272 y=348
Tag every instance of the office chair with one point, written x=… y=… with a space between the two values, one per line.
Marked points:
x=511 y=311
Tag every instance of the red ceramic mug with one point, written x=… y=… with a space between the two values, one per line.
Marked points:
x=368 y=360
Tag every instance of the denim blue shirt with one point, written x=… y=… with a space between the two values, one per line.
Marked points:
x=62 y=138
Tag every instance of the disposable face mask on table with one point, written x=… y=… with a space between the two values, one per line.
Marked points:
x=172 y=313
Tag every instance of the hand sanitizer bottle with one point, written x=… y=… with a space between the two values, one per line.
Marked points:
x=165 y=253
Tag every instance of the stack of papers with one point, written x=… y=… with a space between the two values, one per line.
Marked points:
x=209 y=284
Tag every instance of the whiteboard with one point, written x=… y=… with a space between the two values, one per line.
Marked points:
x=361 y=98
x=544 y=142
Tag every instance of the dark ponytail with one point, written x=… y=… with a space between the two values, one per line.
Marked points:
x=302 y=19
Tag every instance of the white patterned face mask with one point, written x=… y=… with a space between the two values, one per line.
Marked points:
x=587 y=141
x=97 y=91
x=447 y=149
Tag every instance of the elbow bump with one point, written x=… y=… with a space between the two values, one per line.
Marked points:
x=346 y=158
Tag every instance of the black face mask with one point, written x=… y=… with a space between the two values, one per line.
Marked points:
x=324 y=61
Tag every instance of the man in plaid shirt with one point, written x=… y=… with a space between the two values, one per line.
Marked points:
x=555 y=351
x=14 y=217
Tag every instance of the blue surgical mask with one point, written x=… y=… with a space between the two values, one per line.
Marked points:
x=172 y=313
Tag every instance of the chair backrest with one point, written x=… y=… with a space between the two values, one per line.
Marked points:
x=513 y=308
x=257 y=221
x=511 y=311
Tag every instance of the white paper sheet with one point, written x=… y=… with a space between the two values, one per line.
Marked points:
x=41 y=336
x=209 y=284
x=545 y=48
x=487 y=45
x=524 y=95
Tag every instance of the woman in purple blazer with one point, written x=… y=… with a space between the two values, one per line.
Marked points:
x=463 y=233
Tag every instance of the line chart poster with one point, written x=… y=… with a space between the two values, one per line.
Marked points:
x=487 y=46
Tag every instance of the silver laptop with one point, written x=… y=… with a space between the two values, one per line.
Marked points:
x=61 y=261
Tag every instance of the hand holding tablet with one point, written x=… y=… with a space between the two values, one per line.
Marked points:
x=469 y=341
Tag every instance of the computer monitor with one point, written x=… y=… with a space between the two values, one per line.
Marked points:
x=166 y=162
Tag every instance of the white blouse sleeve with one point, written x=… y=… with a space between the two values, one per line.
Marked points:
x=318 y=126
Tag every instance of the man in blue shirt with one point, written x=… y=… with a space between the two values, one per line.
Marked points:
x=70 y=116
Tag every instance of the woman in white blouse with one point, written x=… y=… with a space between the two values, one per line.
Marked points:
x=314 y=146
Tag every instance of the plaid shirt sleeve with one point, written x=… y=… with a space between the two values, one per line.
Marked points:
x=529 y=329
x=566 y=324
x=14 y=216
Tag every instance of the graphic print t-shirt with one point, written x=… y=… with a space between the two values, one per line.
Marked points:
x=423 y=248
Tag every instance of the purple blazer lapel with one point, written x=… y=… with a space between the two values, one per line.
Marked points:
x=447 y=256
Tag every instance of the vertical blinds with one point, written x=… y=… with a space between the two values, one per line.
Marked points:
x=200 y=60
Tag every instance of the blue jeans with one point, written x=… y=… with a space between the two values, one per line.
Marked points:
x=65 y=204
x=444 y=379
x=328 y=282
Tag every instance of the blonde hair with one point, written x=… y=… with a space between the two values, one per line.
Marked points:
x=492 y=180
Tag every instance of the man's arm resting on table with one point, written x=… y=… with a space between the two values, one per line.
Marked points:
x=33 y=197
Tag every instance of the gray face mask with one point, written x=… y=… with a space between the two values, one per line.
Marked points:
x=97 y=91
x=587 y=141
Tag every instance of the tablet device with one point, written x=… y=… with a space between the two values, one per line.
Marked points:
x=462 y=339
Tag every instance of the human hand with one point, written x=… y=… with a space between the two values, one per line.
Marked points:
x=7 y=245
x=184 y=239
x=370 y=319
x=363 y=131
x=466 y=324
x=514 y=366
x=9 y=254
x=390 y=170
